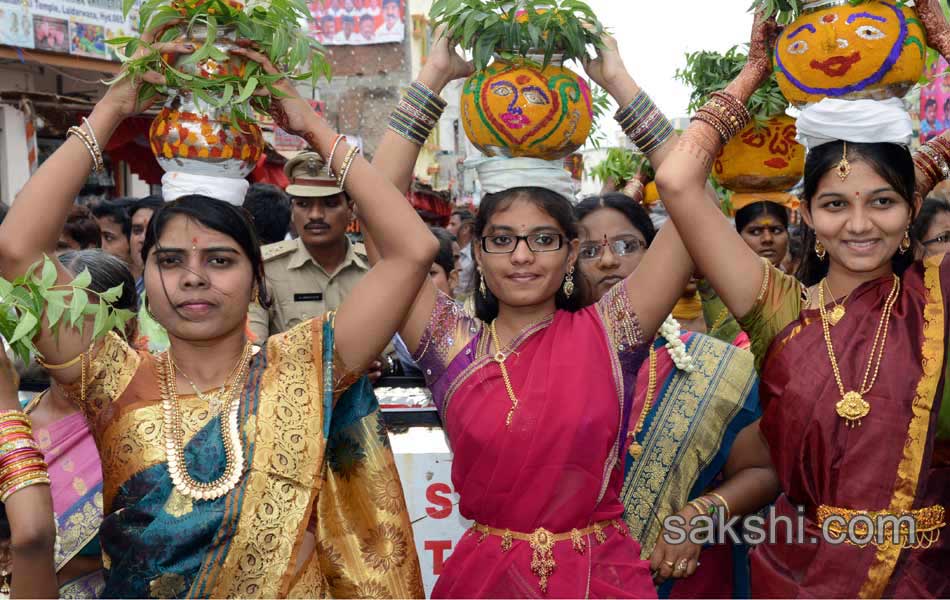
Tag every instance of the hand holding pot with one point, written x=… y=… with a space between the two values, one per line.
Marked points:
x=935 y=24
x=444 y=63
x=607 y=69
x=758 y=67
x=290 y=111
x=123 y=95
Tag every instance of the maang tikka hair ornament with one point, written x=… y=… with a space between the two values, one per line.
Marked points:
x=844 y=167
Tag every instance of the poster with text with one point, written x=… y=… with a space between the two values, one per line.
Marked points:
x=357 y=22
x=77 y=27
x=16 y=24
x=935 y=102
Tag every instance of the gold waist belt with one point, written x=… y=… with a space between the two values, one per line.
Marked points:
x=876 y=527
x=542 y=543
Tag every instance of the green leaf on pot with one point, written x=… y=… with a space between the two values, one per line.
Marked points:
x=248 y=90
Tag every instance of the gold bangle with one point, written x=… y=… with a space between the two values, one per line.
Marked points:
x=765 y=279
x=59 y=367
x=90 y=147
x=724 y=503
x=347 y=163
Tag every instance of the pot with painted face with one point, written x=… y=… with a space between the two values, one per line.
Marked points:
x=519 y=108
x=837 y=49
x=764 y=157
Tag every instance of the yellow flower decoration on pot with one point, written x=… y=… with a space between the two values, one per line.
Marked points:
x=874 y=49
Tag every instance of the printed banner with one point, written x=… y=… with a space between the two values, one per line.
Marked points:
x=357 y=22
x=78 y=27
x=935 y=102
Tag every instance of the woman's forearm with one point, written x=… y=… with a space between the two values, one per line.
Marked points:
x=749 y=489
x=32 y=541
x=36 y=218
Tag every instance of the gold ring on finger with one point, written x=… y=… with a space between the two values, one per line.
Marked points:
x=682 y=564
x=669 y=563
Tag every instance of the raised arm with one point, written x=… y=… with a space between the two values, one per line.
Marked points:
x=734 y=270
x=37 y=216
x=371 y=314
x=666 y=267
x=395 y=159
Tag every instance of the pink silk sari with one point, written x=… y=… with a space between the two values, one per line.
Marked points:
x=556 y=467
x=76 y=487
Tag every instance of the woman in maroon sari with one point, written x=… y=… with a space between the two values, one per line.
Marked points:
x=535 y=390
x=852 y=366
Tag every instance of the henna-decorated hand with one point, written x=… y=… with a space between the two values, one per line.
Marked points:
x=935 y=24
x=607 y=69
x=764 y=34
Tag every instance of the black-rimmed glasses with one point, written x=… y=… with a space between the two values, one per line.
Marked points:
x=537 y=242
x=620 y=246
x=943 y=238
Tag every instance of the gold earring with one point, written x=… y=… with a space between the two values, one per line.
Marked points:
x=844 y=167
x=569 y=283
x=255 y=293
x=820 y=250
x=905 y=243
x=481 y=283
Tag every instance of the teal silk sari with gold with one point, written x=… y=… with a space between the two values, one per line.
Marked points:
x=686 y=437
x=318 y=511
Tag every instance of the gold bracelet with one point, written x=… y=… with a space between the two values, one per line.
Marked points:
x=725 y=504
x=765 y=279
x=59 y=367
x=347 y=164
x=90 y=147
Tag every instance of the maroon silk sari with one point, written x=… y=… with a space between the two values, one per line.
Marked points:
x=888 y=463
x=556 y=467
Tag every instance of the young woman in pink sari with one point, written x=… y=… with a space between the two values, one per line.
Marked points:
x=534 y=390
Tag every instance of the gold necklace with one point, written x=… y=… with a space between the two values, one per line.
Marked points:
x=853 y=407
x=213 y=399
x=500 y=357
x=837 y=313
x=230 y=436
x=636 y=450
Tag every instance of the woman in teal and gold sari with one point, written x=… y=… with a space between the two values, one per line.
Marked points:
x=230 y=470
x=688 y=431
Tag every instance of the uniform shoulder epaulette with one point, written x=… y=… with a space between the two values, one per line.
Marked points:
x=272 y=251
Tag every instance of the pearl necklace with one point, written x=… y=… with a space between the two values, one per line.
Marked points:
x=230 y=435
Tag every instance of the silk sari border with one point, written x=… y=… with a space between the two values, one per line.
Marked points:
x=908 y=471
x=78 y=526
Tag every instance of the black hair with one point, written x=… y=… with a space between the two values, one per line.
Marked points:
x=3 y=211
x=83 y=228
x=930 y=209
x=463 y=214
x=635 y=213
x=750 y=213
x=930 y=102
x=118 y=211
x=219 y=216
x=891 y=161
x=560 y=209
x=367 y=17
x=106 y=271
x=153 y=202
x=446 y=257
x=269 y=207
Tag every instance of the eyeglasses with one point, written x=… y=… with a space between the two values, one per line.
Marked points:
x=943 y=238
x=621 y=246
x=537 y=242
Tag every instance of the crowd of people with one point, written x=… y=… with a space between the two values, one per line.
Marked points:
x=604 y=385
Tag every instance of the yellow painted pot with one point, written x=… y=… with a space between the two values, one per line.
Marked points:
x=873 y=49
x=762 y=159
x=520 y=109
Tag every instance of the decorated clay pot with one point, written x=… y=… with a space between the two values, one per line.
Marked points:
x=190 y=137
x=519 y=109
x=211 y=67
x=763 y=158
x=873 y=49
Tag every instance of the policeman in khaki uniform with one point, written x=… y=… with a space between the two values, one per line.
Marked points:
x=310 y=275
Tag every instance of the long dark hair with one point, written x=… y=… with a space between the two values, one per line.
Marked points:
x=446 y=257
x=216 y=215
x=751 y=212
x=560 y=209
x=891 y=161
x=635 y=213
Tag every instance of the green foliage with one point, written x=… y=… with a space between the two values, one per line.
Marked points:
x=620 y=166
x=707 y=72
x=275 y=29
x=24 y=300
x=519 y=28
x=786 y=11
x=600 y=101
